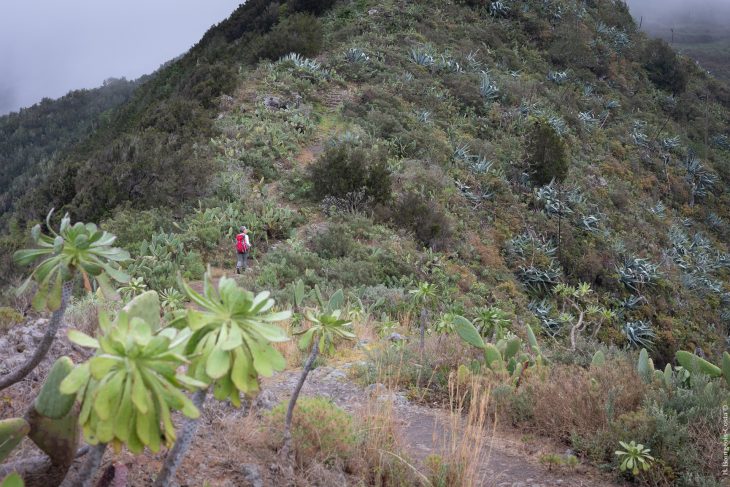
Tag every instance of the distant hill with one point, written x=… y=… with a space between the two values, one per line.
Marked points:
x=35 y=138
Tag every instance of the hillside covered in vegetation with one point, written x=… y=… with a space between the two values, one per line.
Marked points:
x=540 y=169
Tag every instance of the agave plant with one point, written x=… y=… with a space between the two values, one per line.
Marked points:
x=357 y=56
x=670 y=143
x=558 y=77
x=543 y=310
x=498 y=8
x=590 y=223
x=588 y=119
x=722 y=141
x=699 y=178
x=78 y=248
x=421 y=57
x=487 y=88
x=305 y=64
x=639 y=333
x=326 y=325
x=540 y=279
x=635 y=273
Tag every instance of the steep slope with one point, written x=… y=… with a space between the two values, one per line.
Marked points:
x=448 y=113
x=403 y=143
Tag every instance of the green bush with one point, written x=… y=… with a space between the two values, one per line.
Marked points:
x=664 y=68
x=300 y=33
x=9 y=318
x=343 y=169
x=423 y=217
x=336 y=241
x=315 y=7
x=547 y=153
x=132 y=227
x=322 y=432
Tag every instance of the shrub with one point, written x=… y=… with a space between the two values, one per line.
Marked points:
x=300 y=33
x=132 y=227
x=344 y=169
x=8 y=318
x=424 y=218
x=322 y=432
x=315 y=7
x=576 y=402
x=664 y=68
x=547 y=153
x=336 y=241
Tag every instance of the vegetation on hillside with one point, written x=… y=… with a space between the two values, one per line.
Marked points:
x=536 y=187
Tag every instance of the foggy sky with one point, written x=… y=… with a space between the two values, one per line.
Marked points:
x=668 y=13
x=49 y=47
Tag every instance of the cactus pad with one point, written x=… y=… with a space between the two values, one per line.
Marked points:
x=50 y=401
x=12 y=432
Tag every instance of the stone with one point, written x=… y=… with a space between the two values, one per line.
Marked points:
x=265 y=400
x=252 y=474
x=396 y=337
x=274 y=102
x=336 y=375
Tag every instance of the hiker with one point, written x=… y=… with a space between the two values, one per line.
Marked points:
x=243 y=245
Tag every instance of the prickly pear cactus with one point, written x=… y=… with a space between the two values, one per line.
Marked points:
x=12 y=480
x=58 y=438
x=12 y=432
x=50 y=402
x=147 y=307
x=696 y=364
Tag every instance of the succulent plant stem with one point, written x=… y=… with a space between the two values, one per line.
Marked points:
x=91 y=465
x=286 y=449
x=40 y=353
x=176 y=455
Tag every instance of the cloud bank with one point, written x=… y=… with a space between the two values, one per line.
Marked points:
x=49 y=47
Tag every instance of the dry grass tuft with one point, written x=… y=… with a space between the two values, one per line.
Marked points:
x=577 y=401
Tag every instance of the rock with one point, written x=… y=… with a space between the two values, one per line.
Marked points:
x=274 y=102
x=336 y=375
x=36 y=334
x=252 y=474
x=362 y=343
x=396 y=337
x=569 y=453
x=226 y=103
x=266 y=400
x=373 y=11
x=375 y=389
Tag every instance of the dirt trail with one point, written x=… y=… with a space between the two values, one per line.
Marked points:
x=509 y=459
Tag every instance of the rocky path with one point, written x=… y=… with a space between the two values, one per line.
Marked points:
x=508 y=459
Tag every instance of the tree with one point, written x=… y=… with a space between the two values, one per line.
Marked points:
x=664 y=67
x=547 y=155
x=79 y=248
x=424 y=296
x=326 y=326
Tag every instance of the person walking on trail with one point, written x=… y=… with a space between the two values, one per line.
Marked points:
x=243 y=246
